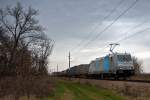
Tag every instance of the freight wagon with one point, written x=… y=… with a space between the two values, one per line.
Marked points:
x=79 y=71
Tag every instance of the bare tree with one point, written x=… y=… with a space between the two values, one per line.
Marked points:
x=23 y=30
x=41 y=51
x=5 y=45
x=137 y=65
x=20 y=25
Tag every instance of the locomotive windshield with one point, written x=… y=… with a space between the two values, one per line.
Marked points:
x=124 y=58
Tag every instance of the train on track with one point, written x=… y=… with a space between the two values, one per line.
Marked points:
x=113 y=65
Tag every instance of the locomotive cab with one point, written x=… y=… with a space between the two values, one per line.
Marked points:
x=124 y=64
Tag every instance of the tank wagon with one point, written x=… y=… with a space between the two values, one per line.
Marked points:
x=113 y=65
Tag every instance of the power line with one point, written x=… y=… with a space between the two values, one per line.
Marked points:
x=132 y=35
x=136 y=33
x=107 y=27
x=111 y=23
x=138 y=25
x=107 y=16
x=93 y=30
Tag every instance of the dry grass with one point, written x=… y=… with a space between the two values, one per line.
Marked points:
x=141 y=77
x=135 y=91
x=32 y=87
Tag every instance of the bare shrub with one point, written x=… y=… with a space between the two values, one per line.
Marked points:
x=137 y=65
x=17 y=87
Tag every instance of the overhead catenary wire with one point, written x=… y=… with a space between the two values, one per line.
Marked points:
x=133 y=28
x=134 y=34
x=93 y=30
x=107 y=27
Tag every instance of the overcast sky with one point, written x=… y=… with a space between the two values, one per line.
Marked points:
x=69 y=22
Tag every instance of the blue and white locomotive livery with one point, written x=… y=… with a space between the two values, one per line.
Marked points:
x=114 y=65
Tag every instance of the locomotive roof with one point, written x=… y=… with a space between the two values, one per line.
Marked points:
x=116 y=53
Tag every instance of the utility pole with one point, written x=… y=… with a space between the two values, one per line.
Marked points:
x=69 y=65
x=69 y=60
x=57 y=67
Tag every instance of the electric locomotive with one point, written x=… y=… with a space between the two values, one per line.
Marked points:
x=112 y=65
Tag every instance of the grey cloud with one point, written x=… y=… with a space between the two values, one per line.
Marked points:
x=70 y=21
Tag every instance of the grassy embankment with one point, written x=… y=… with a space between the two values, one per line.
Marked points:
x=66 y=90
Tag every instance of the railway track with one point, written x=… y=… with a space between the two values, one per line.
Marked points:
x=121 y=80
x=140 y=81
x=137 y=81
x=128 y=80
